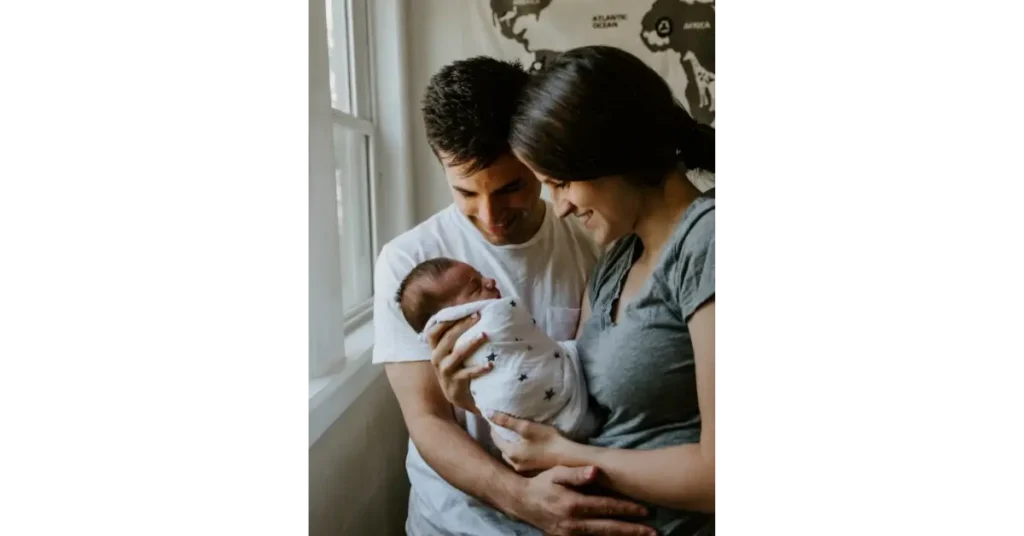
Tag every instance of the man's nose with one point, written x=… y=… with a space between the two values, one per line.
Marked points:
x=488 y=212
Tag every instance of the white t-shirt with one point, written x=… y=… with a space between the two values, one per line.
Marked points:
x=548 y=273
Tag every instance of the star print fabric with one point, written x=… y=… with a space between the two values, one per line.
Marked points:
x=534 y=377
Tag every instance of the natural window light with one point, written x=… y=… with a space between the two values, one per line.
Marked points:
x=359 y=164
x=343 y=128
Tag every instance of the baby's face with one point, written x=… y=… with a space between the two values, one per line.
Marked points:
x=465 y=285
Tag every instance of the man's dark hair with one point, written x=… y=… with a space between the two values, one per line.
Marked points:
x=418 y=304
x=468 y=107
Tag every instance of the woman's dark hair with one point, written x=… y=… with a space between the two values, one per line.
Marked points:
x=597 y=111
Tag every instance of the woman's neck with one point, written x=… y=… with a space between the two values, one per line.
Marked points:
x=661 y=210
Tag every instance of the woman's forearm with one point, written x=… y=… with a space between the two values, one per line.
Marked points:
x=680 y=477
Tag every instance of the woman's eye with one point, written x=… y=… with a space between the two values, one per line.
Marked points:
x=560 y=185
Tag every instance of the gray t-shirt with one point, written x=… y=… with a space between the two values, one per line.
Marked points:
x=640 y=372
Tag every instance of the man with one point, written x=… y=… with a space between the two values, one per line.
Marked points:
x=500 y=225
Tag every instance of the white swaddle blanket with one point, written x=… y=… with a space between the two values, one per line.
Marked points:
x=533 y=378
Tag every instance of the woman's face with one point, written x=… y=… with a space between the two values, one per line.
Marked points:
x=607 y=207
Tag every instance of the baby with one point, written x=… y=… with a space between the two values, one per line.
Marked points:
x=533 y=377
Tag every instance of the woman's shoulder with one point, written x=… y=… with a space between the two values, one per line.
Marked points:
x=688 y=269
x=608 y=265
x=696 y=229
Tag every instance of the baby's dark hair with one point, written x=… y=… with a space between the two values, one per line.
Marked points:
x=417 y=302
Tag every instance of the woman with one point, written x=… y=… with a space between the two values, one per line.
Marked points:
x=604 y=132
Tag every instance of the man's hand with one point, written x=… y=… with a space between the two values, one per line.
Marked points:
x=549 y=503
x=447 y=361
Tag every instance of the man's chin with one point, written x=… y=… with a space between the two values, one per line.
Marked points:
x=502 y=234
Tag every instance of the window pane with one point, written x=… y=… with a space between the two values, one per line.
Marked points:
x=352 y=175
x=360 y=84
x=337 y=46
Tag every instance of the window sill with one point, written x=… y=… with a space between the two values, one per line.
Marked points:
x=333 y=393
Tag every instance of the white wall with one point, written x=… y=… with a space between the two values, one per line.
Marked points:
x=435 y=39
x=357 y=480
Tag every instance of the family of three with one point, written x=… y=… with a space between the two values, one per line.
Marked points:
x=554 y=362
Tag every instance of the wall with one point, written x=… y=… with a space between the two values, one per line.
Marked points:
x=434 y=40
x=441 y=31
x=357 y=480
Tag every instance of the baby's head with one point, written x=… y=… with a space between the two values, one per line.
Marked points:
x=438 y=283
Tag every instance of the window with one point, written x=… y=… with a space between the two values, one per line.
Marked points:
x=348 y=45
x=342 y=165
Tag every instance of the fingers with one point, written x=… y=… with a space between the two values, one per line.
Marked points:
x=503 y=446
x=440 y=329
x=519 y=426
x=573 y=476
x=594 y=506
x=442 y=338
x=452 y=362
x=471 y=373
x=608 y=527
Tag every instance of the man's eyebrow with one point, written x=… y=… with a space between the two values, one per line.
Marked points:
x=510 y=185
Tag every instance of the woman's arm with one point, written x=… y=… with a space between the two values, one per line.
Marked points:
x=681 y=477
x=584 y=311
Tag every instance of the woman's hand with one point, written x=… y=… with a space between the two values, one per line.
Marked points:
x=447 y=361
x=541 y=447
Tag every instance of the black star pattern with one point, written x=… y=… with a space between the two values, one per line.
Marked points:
x=490 y=357
x=549 y=394
x=513 y=303
x=518 y=339
x=522 y=377
x=557 y=355
x=529 y=348
x=534 y=320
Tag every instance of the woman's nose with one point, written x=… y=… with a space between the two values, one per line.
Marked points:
x=563 y=207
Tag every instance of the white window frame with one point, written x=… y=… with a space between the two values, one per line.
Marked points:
x=341 y=337
x=328 y=330
x=362 y=120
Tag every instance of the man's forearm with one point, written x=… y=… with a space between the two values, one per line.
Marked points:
x=461 y=461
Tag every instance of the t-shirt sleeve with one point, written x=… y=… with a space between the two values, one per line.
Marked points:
x=393 y=337
x=696 y=266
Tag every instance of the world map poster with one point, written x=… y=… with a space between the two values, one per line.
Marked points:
x=676 y=38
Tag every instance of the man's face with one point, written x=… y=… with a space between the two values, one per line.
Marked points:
x=502 y=201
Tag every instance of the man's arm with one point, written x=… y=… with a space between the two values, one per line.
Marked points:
x=444 y=445
x=546 y=501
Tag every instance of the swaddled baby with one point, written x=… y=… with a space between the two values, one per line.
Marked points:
x=533 y=377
